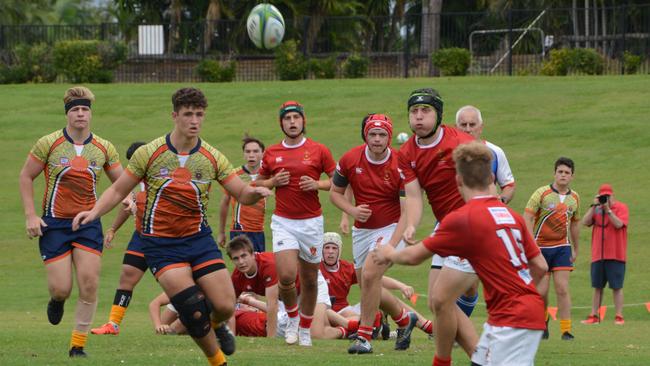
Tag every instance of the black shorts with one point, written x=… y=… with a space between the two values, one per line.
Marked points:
x=607 y=271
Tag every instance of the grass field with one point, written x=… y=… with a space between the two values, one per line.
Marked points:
x=600 y=122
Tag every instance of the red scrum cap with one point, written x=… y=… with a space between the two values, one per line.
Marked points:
x=378 y=120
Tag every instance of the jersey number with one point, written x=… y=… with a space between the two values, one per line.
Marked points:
x=517 y=260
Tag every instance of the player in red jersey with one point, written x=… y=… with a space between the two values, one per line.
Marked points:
x=178 y=170
x=255 y=273
x=294 y=168
x=495 y=240
x=372 y=171
x=72 y=160
x=426 y=162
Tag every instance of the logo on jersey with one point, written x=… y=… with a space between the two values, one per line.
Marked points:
x=248 y=287
x=358 y=170
x=93 y=163
x=501 y=215
x=198 y=175
x=278 y=159
x=306 y=156
x=401 y=174
x=312 y=250
x=387 y=176
x=164 y=172
x=412 y=165
x=65 y=161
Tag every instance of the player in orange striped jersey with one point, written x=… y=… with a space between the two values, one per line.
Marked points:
x=178 y=170
x=246 y=220
x=72 y=160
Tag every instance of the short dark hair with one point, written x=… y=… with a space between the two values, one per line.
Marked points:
x=134 y=146
x=248 y=139
x=189 y=97
x=565 y=161
x=239 y=242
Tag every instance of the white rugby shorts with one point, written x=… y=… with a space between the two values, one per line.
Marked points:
x=304 y=235
x=453 y=262
x=365 y=240
x=507 y=346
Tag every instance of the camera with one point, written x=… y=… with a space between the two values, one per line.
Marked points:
x=603 y=198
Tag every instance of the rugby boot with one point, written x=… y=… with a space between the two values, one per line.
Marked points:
x=108 y=328
x=77 y=352
x=226 y=339
x=55 y=311
x=360 y=346
x=403 y=340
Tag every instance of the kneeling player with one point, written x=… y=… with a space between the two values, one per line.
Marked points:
x=495 y=241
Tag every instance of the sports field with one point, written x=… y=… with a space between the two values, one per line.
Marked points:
x=600 y=122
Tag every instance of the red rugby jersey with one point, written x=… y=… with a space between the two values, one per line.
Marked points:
x=433 y=166
x=339 y=283
x=496 y=242
x=308 y=158
x=250 y=323
x=376 y=184
x=265 y=276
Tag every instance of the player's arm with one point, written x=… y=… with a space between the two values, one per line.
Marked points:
x=307 y=183
x=223 y=217
x=30 y=171
x=390 y=283
x=154 y=313
x=109 y=199
x=250 y=300
x=507 y=193
x=120 y=219
x=411 y=255
x=413 y=209
x=345 y=218
x=529 y=220
x=538 y=268
x=574 y=231
x=398 y=234
x=244 y=193
x=114 y=172
x=337 y=197
x=279 y=179
x=271 y=294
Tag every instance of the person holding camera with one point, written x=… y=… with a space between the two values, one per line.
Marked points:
x=608 y=219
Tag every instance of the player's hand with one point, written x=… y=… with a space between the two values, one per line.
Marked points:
x=281 y=178
x=221 y=239
x=244 y=298
x=574 y=255
x=82 y=218
x=129 y=204
x=308 y=183
x=409 y=235
x=164 y=329
x=262 y=191
x=362 y=213
x=407 y=292
x=108 y=238
x=345 y=224
x=381 y=254
x=33 y=225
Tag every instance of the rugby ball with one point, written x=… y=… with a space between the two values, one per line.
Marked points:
x=265 y=26
x=402 y=137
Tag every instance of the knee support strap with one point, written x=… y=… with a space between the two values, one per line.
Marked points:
x=193 y=311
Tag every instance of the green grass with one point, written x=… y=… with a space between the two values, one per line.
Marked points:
x=600 y=122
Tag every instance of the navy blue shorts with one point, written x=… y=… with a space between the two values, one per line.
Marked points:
x=58 y=239
x=134 y=256
x=256 y=237
x=200 y=252
x=607 y=271
x=558 y=258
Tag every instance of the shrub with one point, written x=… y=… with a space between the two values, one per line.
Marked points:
x=573 y=61
x=356 y=66
x=13 y=74
x=452 y=61
x=290 y=64
x=88 y=61
x=324 y=68
x=631 y=62
x=33 y=64
x=215 y=72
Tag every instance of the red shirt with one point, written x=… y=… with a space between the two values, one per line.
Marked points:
x=265 y=276
x=309 y=158
x=250 y=323
x=614 y=246
x=376 y=184
x=339 y=283
x=433 y=166
x=496 y=242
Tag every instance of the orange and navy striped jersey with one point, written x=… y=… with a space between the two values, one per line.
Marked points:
x=71 y=171
x=247 y=218
x=553 y=213
x=178 y=186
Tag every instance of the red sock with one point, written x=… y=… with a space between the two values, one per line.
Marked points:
x=402 y=320
x=305 y=320
x=441 y=361
x=292 y=311
x=365 y=332
x=427 y=327
x=344 y=332
x=377 y=322
x=353 y=326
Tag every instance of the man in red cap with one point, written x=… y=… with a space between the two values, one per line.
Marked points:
x=608 y=219
x=294 y=168
x=372 y=171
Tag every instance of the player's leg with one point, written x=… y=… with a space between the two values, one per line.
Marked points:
x=87 y=263
x=545 y=283
x=423 y=323
x=193 y=309
x=308 y=273
x=450 y=284
x=436 y=265
x=219 y=290
x=286 y=264
x=405 y=319
x=467 y=301
x=321 y=328
x=561 y=282
x=59 y=285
